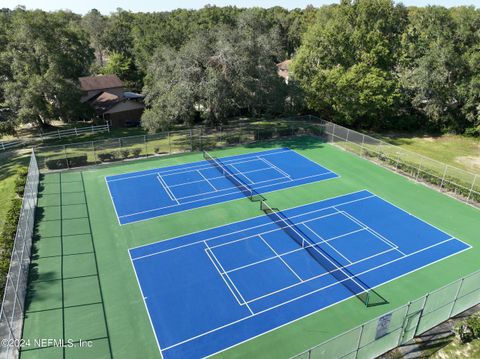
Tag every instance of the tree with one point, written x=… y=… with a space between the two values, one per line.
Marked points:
x=347 y=60
x=119 y=65
x=215 y=75
x=95 y=24
x=430 y=68
x=43 y=74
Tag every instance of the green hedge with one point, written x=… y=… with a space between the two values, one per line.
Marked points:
x=68 y=162
x=7 y=235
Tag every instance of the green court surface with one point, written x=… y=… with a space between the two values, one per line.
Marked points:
x=83 y=287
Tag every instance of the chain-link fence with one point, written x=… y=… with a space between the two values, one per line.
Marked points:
x=11 y=313
x=165 y=143
x=398 y=327
x=455 y=181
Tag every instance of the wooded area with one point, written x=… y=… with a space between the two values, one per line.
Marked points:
x=371 y=64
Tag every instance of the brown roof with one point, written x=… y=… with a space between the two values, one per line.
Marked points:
x=282 y=68
x=104 y=101
x=90 y=83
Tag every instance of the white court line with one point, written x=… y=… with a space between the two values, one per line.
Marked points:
x=240 y=173
x=299 y=249
x=113 y=202
x=210 y=178
x=228 y=190
x=211 y=197
x=165 y=187
x=224 y=273
x=223 y=278
x=328 y=306
x=239 y=231
x=270 y=164
x=371 y=230
x=205 y=178
x=309 y=293
x=195 y=165
x=328 y=244
x=280 y=257
x=145 y=304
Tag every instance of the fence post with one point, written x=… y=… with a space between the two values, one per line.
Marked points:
x=66 y=158
x=418 y=169
x=362 y=146
x=348 y=132
x=191 y=140
x=456 y=297
x=3 y=146
x=359 y=341
x=146 y=146
x=333 y=133
x=120 y=142
x=94 y=154
x=443 y=177
x=58 y=132
x=169 y=143
x=421 y=314
x=471 y=188
x=402 y=328
x=76 y=132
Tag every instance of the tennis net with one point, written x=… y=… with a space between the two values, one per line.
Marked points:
x=215 y=162
x=339 y=272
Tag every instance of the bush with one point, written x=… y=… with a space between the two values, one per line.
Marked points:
x=469 y=329
x=231 y=140
x=263 y=134
x=285 y=131
x=106 y=156
x=77 y=161
x=125 y=153
x=57 y=164
x=7 y=237
x=136 y=152
x=20 y=181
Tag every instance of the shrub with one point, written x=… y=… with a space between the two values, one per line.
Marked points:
x=263 y=134
x=77 y=161
x=284 y=132
x=7 y=237
x=469 y=329
x=20 y=181
x=56 y=164
x=125 y=153
x=106 y=156
x=232 y=140
x=136 y=152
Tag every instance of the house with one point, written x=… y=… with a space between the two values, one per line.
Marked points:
x=282 y=69
x=107 y=96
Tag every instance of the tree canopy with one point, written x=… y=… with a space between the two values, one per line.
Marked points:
x=371 y=64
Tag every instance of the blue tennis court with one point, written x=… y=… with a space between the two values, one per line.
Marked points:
x=211 y=290
x=157 y=192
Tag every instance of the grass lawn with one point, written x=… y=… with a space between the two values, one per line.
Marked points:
x=456 y=350
x=455 y=150
x=9 y=164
